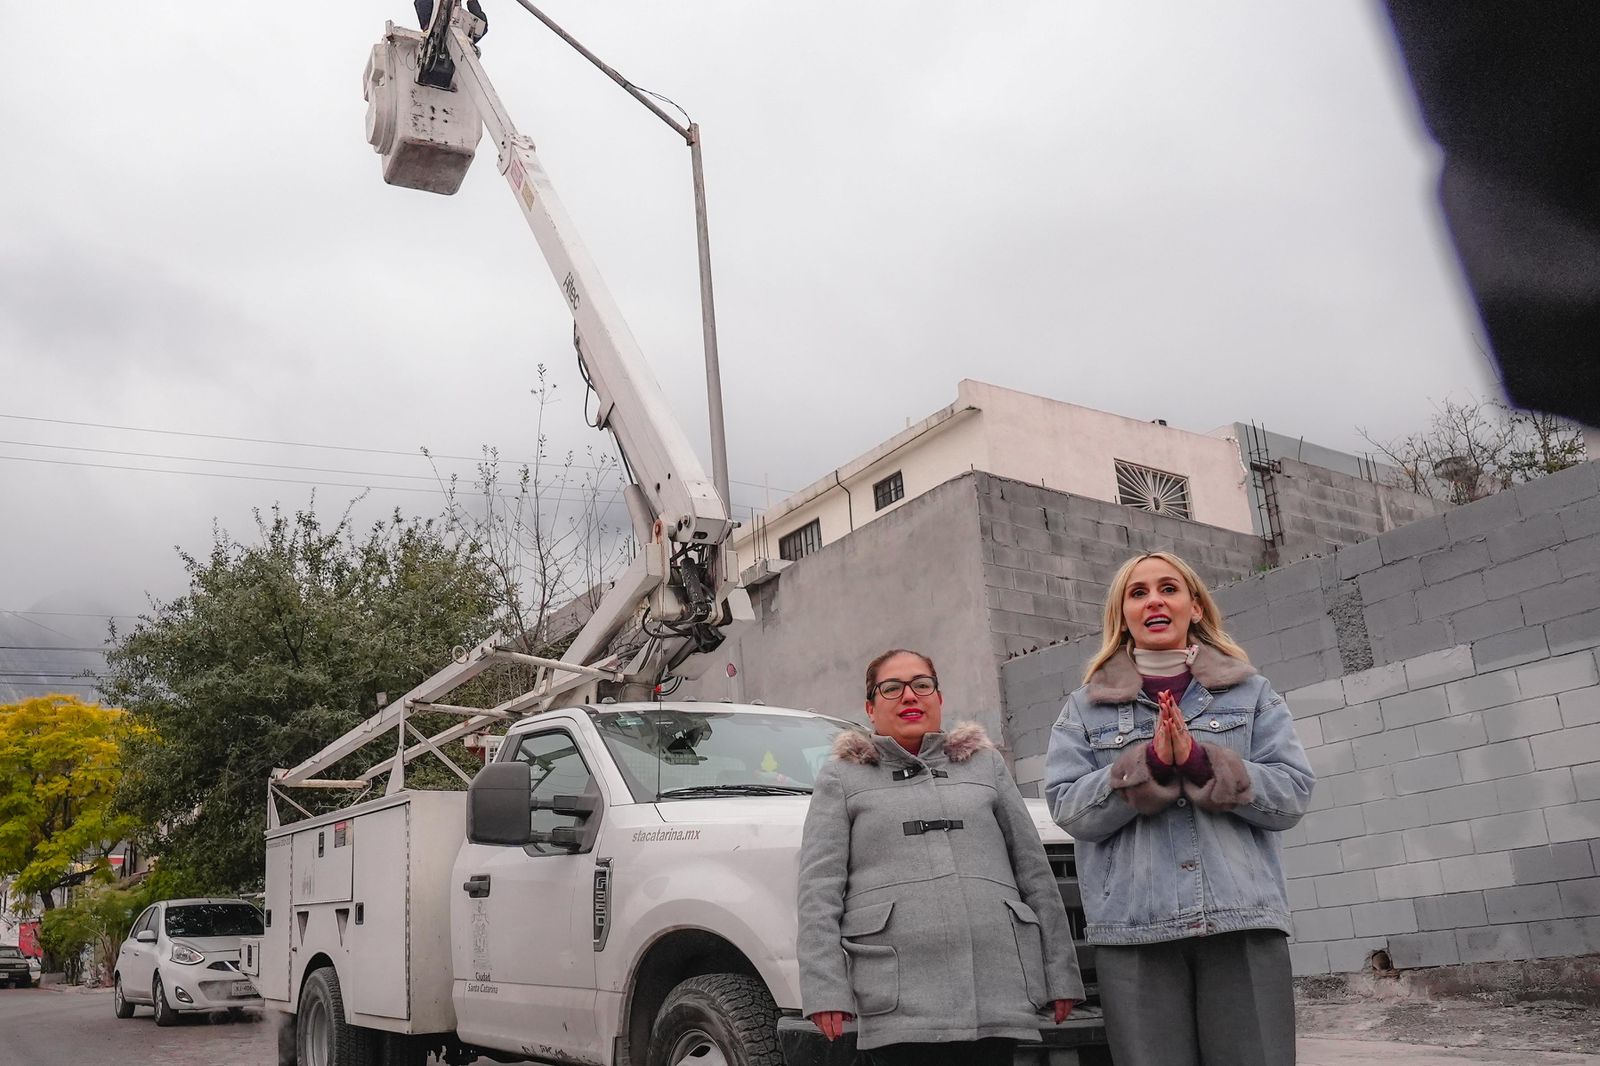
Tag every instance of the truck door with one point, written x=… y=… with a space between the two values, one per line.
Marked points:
x=522 y=927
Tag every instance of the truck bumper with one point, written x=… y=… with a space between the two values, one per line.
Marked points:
x=1080 y=1042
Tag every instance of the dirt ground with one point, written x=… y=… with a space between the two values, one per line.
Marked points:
x=1484 y=1021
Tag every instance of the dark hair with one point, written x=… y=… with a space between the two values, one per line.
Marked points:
x=875 y=665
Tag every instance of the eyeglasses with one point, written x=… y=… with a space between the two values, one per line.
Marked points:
x=922 y=685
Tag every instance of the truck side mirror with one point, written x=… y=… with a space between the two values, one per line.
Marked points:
x=498 y=805
x=569 y=806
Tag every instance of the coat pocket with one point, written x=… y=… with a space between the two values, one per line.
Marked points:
x=1231 y=729
x=1030 y=950
x=874 y=963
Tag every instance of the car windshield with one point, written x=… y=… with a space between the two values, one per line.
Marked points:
x=10 y=953
x=213 y=919
x=669 y=754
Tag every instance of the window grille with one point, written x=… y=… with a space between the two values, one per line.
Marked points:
x=802 y=542
x=1153 y=490
x=888 y=490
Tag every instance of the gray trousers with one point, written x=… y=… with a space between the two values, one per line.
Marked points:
x=1220 y=1000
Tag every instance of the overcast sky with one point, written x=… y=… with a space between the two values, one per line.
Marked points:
x=1203 y=213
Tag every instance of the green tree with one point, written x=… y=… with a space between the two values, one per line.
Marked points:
x=60 y=759
x=279 y=647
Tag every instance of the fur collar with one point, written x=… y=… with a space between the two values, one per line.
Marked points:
x=960 y=744
x=1118 y=681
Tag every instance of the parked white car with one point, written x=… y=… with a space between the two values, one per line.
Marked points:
x=15 y=969
x=182 y=955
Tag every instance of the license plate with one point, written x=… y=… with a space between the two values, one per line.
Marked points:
x=243 y=988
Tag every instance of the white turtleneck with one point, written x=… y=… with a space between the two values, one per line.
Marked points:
x=1171 y=663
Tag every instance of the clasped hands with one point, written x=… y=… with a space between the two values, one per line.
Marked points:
x=1173 y=741
x=831 y=1022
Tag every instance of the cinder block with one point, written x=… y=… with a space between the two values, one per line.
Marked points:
x=1439 y=667
x=1482 y=517
x=1523 y=903
x=1553 y=862
x=1499 y=943
x=1520 y=575
x=1586 y=781
x=1380 y=919
x=1464 y=557
x=1373 y=851
x=1580 y=707
x=1525 y=718
x=1457 y=594
x=1414 y=950
x=1358 y=720
x=1407 y=642
x=1487 y=619
x=1524 y=538
x=1298 y=609
x=1581 y=519
x=1553 y=491
x=1574 y=633
x=1250 y=624
x=1289 y=580
x=1387 y=816
x=1411 y=708
x=1455 y=911
x=1426 y=775
x=1465 y=801
x=1568 y=747
x=1416 y=538
x=1578 y=557
x=1302 y=893
x=1438 y=841
x=1308 y=638
x=1352 y=956
x=1310 y=731
x=1411 y=879
x=1509 y=832
x=1316 y=699
x=1572 y=596
x=1510 y=649
x=1386 y=616
x=1467 y=872
x=1296 y=673
x=1335 y=823
x=1331 y=759
x=1358 y=559
x=1493 y=761
x=1579 y=898
x=1364 y=786
x=1578 y=821
x=1337 y=890
x=1374 y=684
x=1485 y=690
x=1565 y=937
x=1029 y=769
x=1307 y=960
x=1328 y=923
x=1558 y=675
x=1385 y=749
x=1451 y=734
x=1312 y=860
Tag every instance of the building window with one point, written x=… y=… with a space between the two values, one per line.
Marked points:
x=802 y=542
x=1153 y=490
x=888 y=490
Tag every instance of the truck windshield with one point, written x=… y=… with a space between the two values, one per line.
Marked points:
x=213 y=919
x=670 y=754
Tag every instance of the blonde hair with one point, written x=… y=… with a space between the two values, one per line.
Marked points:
x=1207 y=629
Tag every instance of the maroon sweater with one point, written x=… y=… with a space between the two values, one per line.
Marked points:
x=1197 y=768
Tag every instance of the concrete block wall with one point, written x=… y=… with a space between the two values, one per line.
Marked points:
x=1321 y=510
x=1444 y=679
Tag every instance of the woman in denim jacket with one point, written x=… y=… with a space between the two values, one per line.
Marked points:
x=1175 y=767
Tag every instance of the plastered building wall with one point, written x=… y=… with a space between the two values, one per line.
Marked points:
x=1443 y=677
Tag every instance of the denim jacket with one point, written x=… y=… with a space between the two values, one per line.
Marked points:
x=1161 y=862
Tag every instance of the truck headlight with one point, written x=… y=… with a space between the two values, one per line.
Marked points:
x=186 y=955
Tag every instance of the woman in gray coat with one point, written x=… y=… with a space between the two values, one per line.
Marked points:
x=928 y=911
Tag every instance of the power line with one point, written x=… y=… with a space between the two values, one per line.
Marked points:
x=67 y=614
x=53 y=647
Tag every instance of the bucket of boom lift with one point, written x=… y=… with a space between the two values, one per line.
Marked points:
x=425 y=135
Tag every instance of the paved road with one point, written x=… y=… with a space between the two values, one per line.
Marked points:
x=71 y=1027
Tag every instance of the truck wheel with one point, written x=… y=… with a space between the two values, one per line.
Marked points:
x=165 y=1015
x=322 y=1035
x=720 y=1019
x=119 y=1002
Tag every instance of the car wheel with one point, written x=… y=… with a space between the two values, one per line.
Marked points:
x=720 y=1019
x=322 y=1035
x=165 y=1015
x=119 y=1002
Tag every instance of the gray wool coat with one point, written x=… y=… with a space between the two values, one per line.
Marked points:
x=927 y=907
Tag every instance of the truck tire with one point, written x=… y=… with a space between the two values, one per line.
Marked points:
x=720 y=1019
x=322 y=1035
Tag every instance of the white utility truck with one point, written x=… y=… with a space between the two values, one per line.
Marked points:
x=617 y=884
